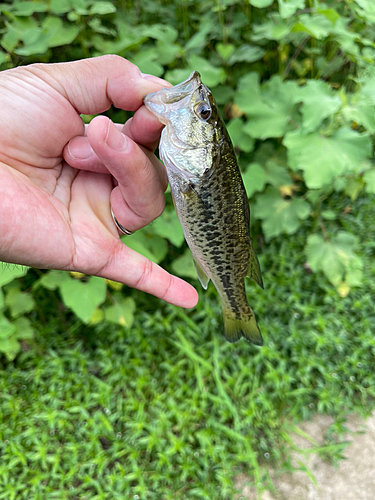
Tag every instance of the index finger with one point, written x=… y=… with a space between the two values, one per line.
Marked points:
x=92 y=85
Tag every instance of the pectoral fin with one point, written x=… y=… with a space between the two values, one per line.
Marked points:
x=254 y=269
x=203 y=278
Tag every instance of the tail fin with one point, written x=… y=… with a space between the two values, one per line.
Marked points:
x=234 y=328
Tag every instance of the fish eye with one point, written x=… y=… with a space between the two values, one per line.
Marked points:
x=203 y=111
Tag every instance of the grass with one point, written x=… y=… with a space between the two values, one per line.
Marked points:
x=169 y=409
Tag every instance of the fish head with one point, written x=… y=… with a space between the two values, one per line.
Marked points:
x=189 y=112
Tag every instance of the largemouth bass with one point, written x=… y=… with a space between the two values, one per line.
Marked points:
x=209 y=197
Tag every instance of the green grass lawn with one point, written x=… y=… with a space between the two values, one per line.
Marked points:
x=169 y=409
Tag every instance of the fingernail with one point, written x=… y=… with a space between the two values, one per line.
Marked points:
x=155 y=79
x=79 y=148
x=114 y=138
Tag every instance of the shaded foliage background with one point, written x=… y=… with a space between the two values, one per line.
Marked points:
x=162 y=407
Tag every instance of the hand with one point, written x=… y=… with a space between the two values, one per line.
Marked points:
x=57 y=177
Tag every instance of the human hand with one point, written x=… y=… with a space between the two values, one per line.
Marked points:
x=56 y=178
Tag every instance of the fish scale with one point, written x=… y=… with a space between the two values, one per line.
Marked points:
x=209 y=197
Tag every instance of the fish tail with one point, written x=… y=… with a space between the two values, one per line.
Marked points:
x=247 y=327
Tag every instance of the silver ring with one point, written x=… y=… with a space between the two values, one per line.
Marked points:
x=121 y=228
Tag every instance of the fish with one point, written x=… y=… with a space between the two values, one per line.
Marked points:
x=209 y=197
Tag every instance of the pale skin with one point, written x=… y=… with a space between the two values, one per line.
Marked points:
x=58 y=178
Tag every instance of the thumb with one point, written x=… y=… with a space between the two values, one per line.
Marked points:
x=92 y=85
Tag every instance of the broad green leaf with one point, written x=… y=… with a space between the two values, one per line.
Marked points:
x=239 y=138
x=288 y=7
x=59 y=33
x=225 y=50
x=361 y=110
x=269 y=110
x=278 y=214
x=17 y=301
x=184 y=265
x=163 y=32
x=276 y=174
x=10 y=40
x=369 y=178
x=102 y=8
x=168 y=226
x=167 y=52
x=354 y=187
x=368 y=7
x=52 y=280
x=83 y=298
x=319 y=102
x=121 y=312
x=176 y=76
x=9 y=272
x=24 y=329
x=246 y=53
x=28 y=8
x=60 y=6
x=336 y=258
x=1 y=300
x=261 y=3
x=223 y=94
x=324 y=158
x=146 y=60
x=254 y=179
x=274 y=29
x=7 y=329
x=211 y=75
x=10 y=347
x=315 y=25
x=147 y=244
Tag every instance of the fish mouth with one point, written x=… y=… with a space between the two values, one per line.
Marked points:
x=158 y=101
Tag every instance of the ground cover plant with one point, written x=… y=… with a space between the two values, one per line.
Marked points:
x=109 y=393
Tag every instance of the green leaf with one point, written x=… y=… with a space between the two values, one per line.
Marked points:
x=324 y=158
x=225 y=50
x=211 y=75
x=319 y=102
x=9 y=272
x=83 y=298
x=148 y=244
x=17 y=301
x=168 y=226
x=24 y=329
x=288 y=7
x=274 y=29
x=146 y=60
x=369 y=178
x=28 y=8
x=278 y=214
x=315 y=25
x=246 y=53
x=254 y=179
x=52 y=279
x=239 y=138
x=59 y=33
x=336 y=258
x=361 y=110
x=7 y=329
x=269 y=109
x=261 y=3
x=184 y=266
x=102 y=8
x=368 y=9
x=167 y=52
x=10 y=347
x=121 y=312
x=10 y=40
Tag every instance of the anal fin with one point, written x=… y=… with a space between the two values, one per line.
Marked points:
x=254 y=269
x=203 y=278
